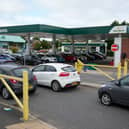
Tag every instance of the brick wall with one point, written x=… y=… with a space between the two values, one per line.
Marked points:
x=125 y=46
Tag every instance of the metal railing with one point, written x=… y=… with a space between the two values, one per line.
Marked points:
x=79 y=66
x=25 y=104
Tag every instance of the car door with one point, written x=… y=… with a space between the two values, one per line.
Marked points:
x=50 y=74
x=120 y=93
x=39 y=73
x=124 y=86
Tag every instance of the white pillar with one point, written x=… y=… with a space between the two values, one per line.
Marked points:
x=117 y=54
x=98 y=49
x=54 y=43
x=72 y=46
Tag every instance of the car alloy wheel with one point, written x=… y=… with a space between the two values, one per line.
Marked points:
x=55 y=86
x=5 y=93
x=106 y=99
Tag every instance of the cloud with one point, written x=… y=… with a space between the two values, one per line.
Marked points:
x=85 y=12
x=65 y=13
x=13 y=6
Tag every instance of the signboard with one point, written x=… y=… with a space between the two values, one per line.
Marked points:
x=3 y=30
x=114 y=47
x=119 y=29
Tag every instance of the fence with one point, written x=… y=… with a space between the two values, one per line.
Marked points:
x=79 y=66
x=25 y=105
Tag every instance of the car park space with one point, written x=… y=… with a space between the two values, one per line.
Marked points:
x=77 y=109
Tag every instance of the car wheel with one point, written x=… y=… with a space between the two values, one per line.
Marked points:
x=106 y=99
x=5 y=93
x=33 y=90
x=56 y=86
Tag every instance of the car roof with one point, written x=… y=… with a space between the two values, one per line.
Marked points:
x=8 y=67
x=57 y=64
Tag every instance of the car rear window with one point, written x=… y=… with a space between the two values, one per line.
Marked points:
x=19 y=71
x=69 y=69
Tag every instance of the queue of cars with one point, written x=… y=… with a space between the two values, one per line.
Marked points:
x=57 y=76
x=54 y=75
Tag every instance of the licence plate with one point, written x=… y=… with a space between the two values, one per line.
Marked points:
x=74 y=83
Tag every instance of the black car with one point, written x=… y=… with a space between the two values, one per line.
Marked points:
x=116 y=91
x=30 y=60
x=96 y=55
x=15 y=70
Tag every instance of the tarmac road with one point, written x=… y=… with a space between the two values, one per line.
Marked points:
x=77 y=109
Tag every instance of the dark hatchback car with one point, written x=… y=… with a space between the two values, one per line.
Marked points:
x=15 y=70
x=116 y=91
x=30 y=60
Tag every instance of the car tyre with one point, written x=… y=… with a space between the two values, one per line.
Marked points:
x=55 y=86
x=33 y=90
x=5 y=93
x=106 y=99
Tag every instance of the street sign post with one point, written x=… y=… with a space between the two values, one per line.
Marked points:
x=114 y=47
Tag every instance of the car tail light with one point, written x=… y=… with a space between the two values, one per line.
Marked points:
x=34 y=77
x=13 y=81
x=64 y=74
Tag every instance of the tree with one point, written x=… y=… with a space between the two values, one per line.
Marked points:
x=45 y=44
x=124 y=23
x=115 y=23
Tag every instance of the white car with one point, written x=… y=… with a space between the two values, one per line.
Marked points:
x=48 y=58
x=56 y=75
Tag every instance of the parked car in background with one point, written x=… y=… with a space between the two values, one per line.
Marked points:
x=100 y=53
x=16 y=86
x=17 y=56
x=60 y=58
x=8 y=56
x=4 y=60
x=116 y=91
x=56 y=75
x=30 y=60
x=96 y=55
x=49 y=58
x=69 y=57
x=89 y=57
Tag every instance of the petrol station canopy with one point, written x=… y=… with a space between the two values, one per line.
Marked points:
x=83 y=33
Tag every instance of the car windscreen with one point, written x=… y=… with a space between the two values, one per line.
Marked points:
x=69 y=69
x=19 y=71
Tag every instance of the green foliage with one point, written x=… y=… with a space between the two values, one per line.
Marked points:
x=45 y=44
x=116 y=23
x=58 y=43
x=36 y=45
x=14 y=49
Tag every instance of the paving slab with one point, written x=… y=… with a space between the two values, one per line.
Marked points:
x=33 y=124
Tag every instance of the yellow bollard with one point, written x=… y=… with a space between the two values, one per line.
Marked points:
x=76 y=65
x=125 y=68
x=119 y=71
x=25 y=96
x=80 y=65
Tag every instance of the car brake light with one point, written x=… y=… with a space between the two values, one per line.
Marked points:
x=64 y=74
x=13 y=81
x=34 y=77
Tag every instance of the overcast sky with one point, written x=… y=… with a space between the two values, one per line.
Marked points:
x=64 y=13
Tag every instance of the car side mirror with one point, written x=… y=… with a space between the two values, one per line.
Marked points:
x=117 y=82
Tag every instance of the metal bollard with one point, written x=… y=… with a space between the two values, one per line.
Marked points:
x=25 y=96
x=125 y=68
x=119 y=71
